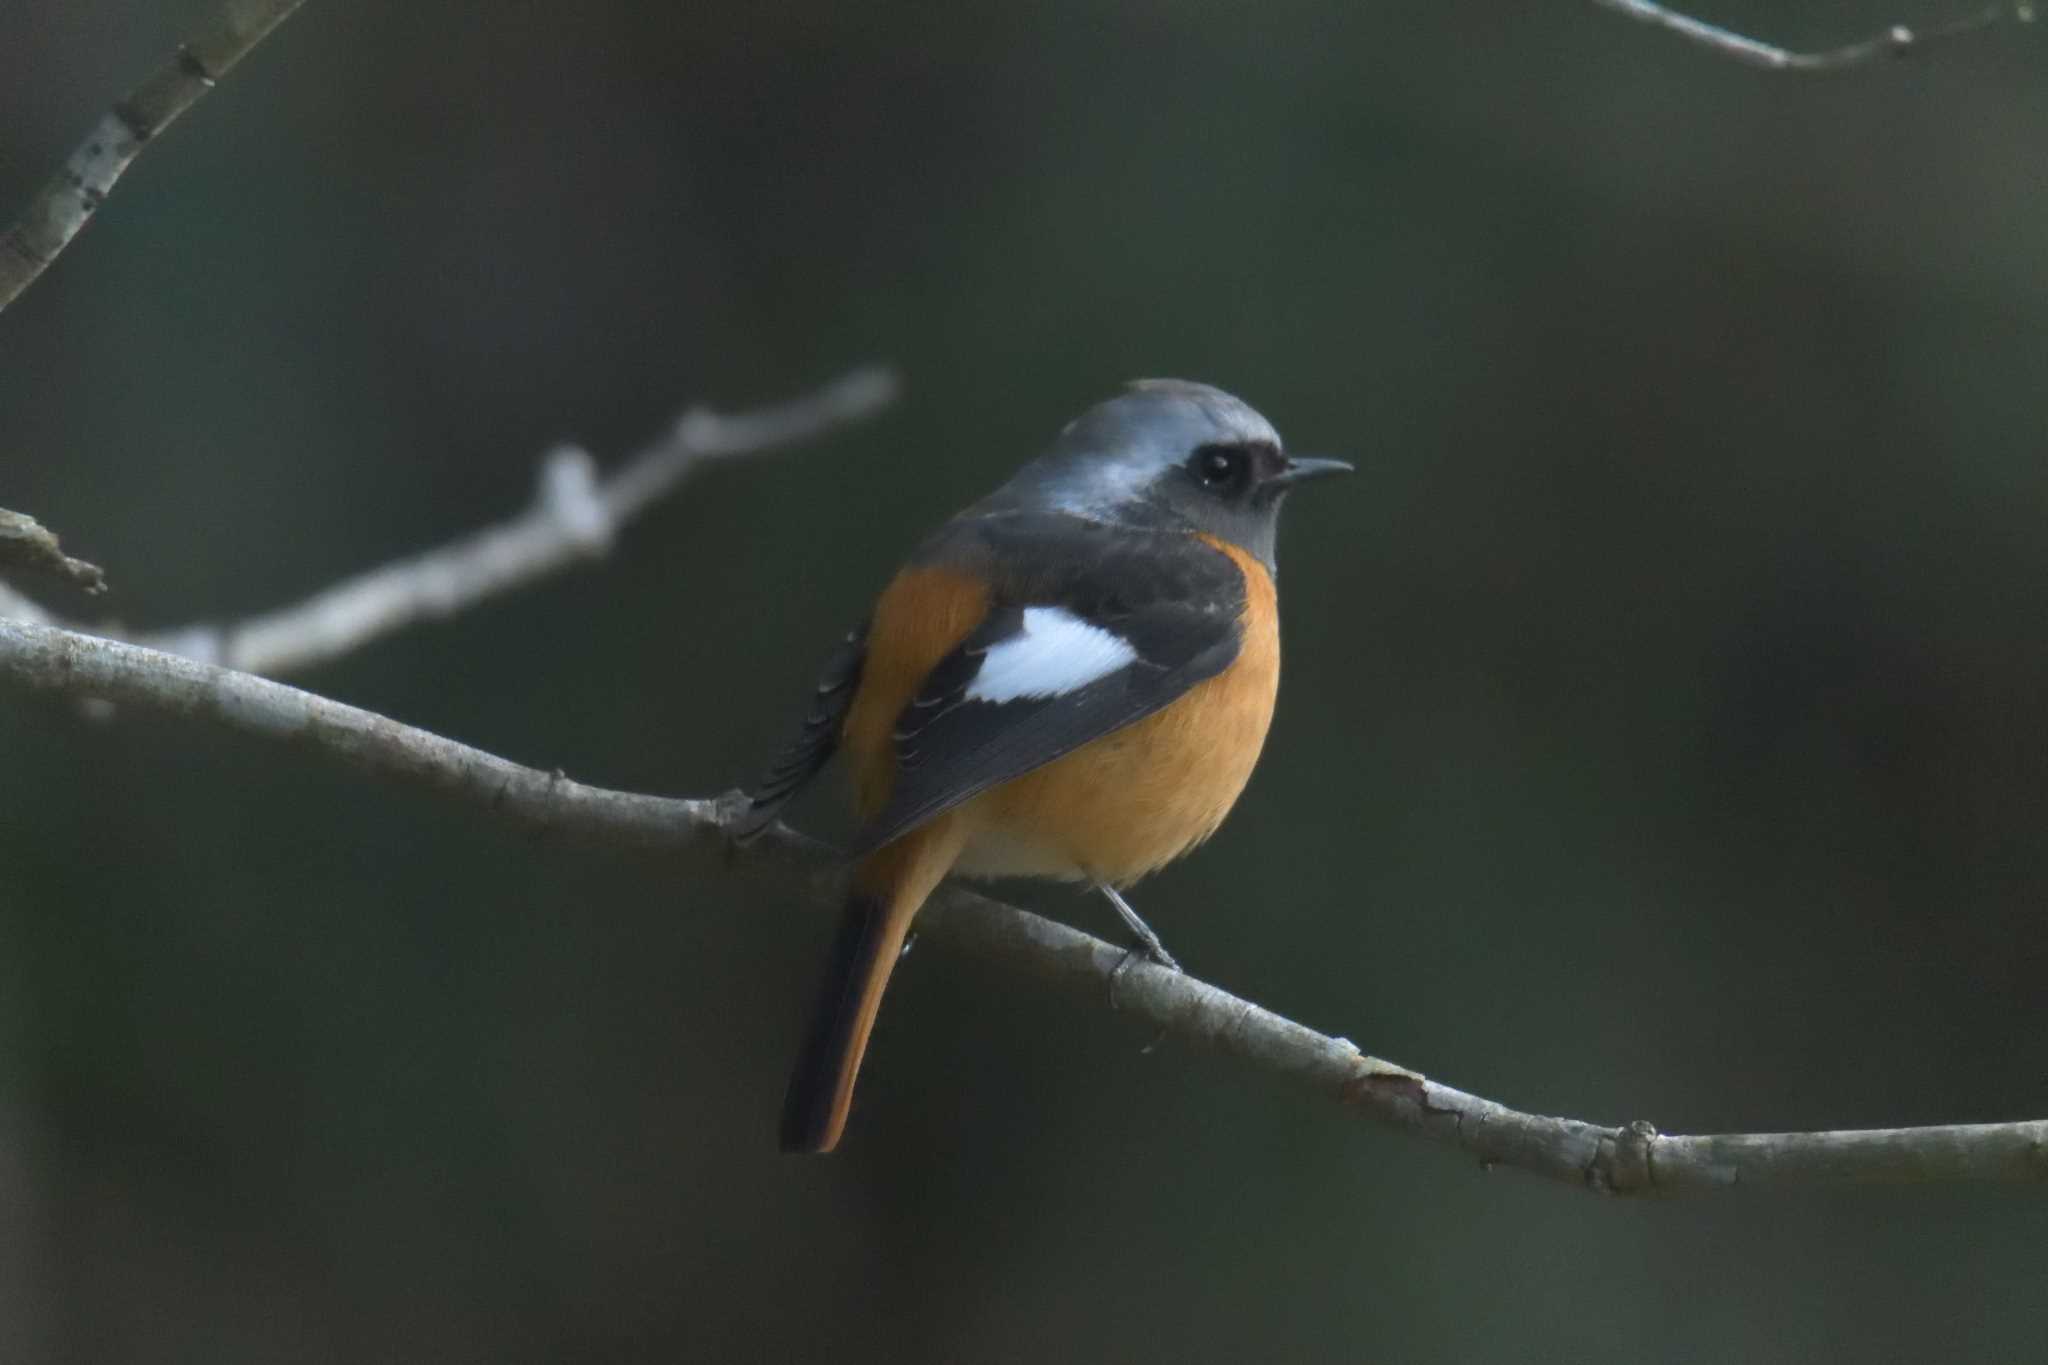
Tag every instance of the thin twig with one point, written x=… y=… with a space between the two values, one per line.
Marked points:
x=67 y=203
x=574 y=518
x=1896 y=41
x=26 y=544
x=1630 y=1159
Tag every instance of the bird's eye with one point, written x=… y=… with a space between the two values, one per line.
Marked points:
x=1217 y=466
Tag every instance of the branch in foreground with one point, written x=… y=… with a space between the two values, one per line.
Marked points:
x=574 y=518
x=63 y=207
x=26 y=544
x=1633 y=1159
x=1896 y=41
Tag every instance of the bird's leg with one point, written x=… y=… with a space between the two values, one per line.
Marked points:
x=1148 y=940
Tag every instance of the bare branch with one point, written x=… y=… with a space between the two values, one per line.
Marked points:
x=1631 y=1159
x=26 y=544
x=1896 y=41
x=701 y=436
x=574 y=518
x=63 y=207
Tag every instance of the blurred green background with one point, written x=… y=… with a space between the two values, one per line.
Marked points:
x=1664 y=735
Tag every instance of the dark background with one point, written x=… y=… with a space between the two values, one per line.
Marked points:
x=1663 y=732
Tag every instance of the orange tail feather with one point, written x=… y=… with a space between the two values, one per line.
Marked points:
x=889 y=888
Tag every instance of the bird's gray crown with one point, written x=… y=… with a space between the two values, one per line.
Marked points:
x=1107 y=463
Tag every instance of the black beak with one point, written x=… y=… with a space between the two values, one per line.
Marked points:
x=1300 y=469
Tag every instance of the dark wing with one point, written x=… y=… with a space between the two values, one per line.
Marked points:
x=1105 y=627
x=813 y=746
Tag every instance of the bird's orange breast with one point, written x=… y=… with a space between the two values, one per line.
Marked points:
x=1114 y=809
x=1132 y=801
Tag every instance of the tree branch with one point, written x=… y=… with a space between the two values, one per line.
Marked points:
x=574 y=518
x=1896 y=41
x=1632 y=1159
x=63 y=207
x=26 y=544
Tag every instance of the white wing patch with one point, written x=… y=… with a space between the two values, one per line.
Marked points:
x=1057 y=652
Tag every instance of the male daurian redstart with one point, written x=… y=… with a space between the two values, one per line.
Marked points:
x=1071 y=679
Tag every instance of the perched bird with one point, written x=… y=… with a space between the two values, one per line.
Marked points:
x=1071 y=679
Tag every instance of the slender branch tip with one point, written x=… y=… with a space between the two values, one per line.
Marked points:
x=1899 y=40
x=27 y=544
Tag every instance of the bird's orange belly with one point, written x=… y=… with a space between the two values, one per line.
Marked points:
x=1132 y=801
